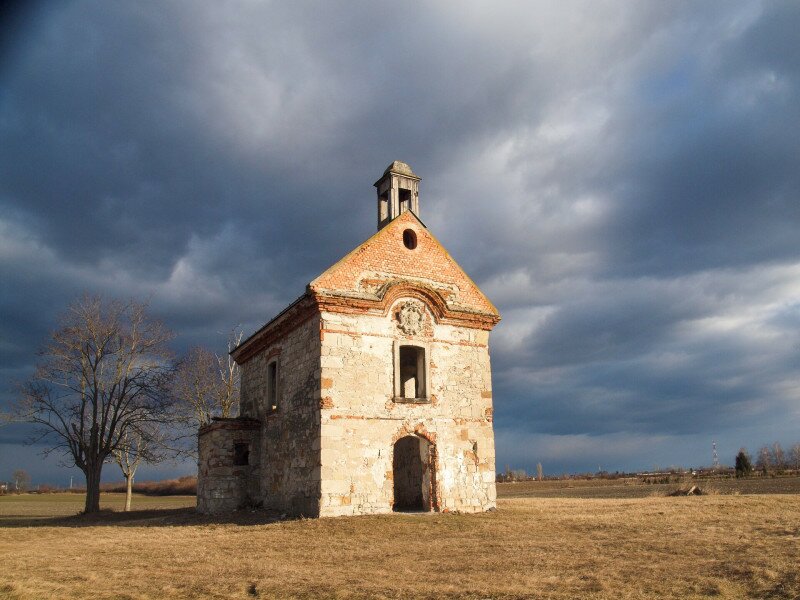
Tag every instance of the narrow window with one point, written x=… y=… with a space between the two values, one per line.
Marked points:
x=241 y=455
x=412 y=372
x=272 y=386
x=405 y=200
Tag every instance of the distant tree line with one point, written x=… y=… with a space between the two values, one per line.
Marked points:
x=510 y=475
x=770 y=460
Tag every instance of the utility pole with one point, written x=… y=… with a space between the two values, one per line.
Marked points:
x=714 y=457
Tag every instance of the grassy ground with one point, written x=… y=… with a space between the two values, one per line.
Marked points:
x=727 y=546
x=634 y=488
x=17 y=509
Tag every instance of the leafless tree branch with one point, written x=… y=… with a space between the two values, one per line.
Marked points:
x=103 y=376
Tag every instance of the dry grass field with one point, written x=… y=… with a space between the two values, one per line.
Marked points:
x=725 y=546
x=634 y=488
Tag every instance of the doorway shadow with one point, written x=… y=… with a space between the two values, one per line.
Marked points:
x=412 y=475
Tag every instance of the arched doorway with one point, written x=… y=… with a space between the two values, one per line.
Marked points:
x=412 y=468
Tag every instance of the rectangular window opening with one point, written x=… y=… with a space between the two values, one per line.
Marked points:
x=241 y=455
x=412 y=372
x=272 y=386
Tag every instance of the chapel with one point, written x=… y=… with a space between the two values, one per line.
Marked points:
x=370 y=393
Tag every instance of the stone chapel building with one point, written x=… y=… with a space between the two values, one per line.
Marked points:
x=372 y=392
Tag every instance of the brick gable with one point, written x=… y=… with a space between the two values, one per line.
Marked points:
x=376 y=273
x=383 y=261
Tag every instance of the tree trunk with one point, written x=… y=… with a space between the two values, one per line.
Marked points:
x=128 y=492
x=92 y=490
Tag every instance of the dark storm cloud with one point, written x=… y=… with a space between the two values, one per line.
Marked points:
x=718 y=185
x=622 y=180
x=694 y=356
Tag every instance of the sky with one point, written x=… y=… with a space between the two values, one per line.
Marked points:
x=622 y=179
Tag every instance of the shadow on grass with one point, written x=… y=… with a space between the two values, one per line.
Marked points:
x=165 y=517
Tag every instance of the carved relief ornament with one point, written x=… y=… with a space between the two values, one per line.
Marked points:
x=410 y=318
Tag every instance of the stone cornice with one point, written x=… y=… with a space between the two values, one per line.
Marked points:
x=294 y=315
x=316 y=301
x=382 y=303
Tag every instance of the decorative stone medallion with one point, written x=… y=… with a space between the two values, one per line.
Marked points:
x=409 y=318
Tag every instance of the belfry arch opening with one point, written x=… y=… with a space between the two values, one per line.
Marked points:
x=413 y=471
x=404 y=197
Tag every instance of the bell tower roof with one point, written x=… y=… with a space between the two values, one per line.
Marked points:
x=398 y=191
x=399 y=167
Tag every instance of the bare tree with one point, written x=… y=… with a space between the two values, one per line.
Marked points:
x=539 y=472
x=778 y=457
x=764 y=460
x=22 y=480
x=197 y=386
x=208 y=384
x=145 y=444
x=794 y=456
x=102 y=376
x=230 y=375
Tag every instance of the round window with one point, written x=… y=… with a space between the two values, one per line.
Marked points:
x=409 y=239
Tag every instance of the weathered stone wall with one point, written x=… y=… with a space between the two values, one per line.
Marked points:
x=360 y=419
x=290 y=446
x=223 y=486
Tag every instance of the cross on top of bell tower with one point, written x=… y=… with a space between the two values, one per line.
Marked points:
x=398 y=191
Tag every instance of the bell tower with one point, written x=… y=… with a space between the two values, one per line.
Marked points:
x=398 y=191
